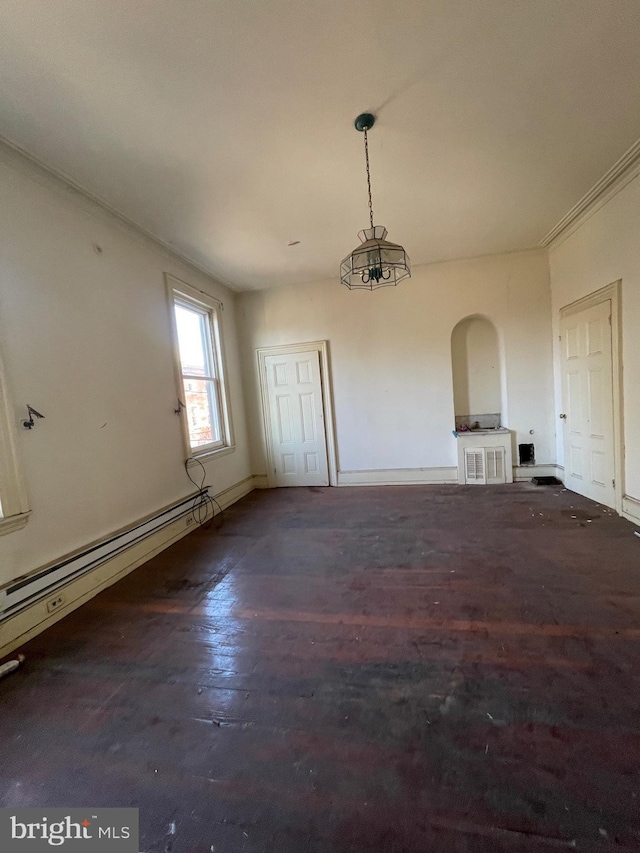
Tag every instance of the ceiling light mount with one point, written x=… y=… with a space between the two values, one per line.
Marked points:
x=365 y=121
x=376 y=262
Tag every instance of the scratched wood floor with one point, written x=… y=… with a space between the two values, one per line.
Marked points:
x=373 y=669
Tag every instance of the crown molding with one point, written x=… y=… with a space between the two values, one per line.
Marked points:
x=22 y=161
x=618 y=176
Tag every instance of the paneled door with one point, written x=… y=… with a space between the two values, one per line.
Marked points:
x=296 y=420
x=587 y=400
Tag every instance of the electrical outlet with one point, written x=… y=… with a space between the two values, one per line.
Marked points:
x=190 y=520
x=55 y=603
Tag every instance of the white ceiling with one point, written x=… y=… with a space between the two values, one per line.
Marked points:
x=225 y=127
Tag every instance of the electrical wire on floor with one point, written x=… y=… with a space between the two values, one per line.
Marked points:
x=204 y=506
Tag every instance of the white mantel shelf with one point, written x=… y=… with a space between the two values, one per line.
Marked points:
x=468 y=432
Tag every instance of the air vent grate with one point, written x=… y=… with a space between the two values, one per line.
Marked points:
x=474 y=465
x=484 y=465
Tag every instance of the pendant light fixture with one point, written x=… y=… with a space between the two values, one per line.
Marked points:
x=376 y=262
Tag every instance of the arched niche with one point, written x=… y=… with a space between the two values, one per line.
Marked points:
x=477 y=385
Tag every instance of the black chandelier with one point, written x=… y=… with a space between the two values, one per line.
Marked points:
x=376 y=262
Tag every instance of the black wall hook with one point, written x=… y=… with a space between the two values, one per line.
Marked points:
x=32 y=413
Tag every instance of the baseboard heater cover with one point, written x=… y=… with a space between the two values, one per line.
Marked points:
x=23 y=592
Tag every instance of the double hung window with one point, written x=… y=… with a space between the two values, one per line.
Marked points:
x=202 y=391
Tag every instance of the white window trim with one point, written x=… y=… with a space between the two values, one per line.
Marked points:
x=177 y=289
x=13 y=496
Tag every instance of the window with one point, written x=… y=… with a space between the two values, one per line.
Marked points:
x=14 y=509
x=202 y=392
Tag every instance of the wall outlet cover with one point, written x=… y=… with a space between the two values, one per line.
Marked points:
x=55 y=603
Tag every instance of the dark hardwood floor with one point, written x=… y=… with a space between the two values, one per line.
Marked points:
x=358 y=669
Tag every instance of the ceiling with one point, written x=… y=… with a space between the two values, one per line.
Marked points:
x=225 y=127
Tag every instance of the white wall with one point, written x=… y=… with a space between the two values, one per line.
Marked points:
x=86 y=341
x=391 y=356
x=475 y=359
x=605 y=248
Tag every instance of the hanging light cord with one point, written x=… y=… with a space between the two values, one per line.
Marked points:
x=203 y=503
x=377 y=271
x=366 y=154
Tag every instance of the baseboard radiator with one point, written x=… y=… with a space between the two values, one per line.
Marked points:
x=25 y=591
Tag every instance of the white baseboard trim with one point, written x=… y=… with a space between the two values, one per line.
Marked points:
x=522 y=473
x=399 y=476
x=422 y=476
x=235 y=493
x=28 y=623
x=631 y=509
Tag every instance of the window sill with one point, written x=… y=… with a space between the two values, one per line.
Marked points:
x=207 y=455
x=13 y=522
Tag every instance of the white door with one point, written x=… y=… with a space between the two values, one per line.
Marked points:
x=298 y=440
x=587 y=399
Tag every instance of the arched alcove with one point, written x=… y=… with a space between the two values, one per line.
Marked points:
x=477 y=386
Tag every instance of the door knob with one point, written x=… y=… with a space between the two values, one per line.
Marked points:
x=563 y=417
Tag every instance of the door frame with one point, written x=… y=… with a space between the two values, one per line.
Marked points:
x=612 y=292
x=322 y=348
